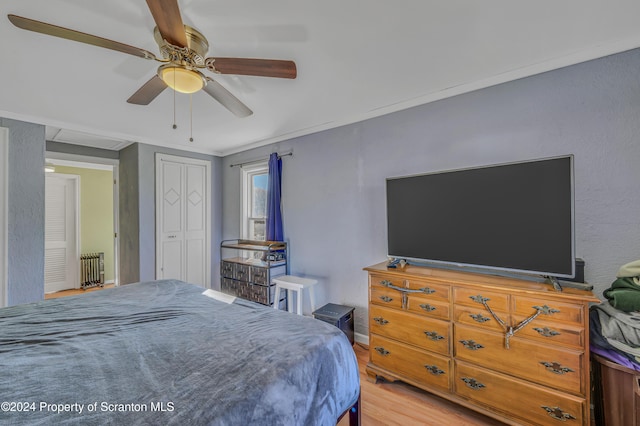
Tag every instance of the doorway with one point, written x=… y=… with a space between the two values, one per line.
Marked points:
x=61 y=248
x=96 y=209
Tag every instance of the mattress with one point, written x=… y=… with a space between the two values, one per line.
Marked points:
x=165 y=352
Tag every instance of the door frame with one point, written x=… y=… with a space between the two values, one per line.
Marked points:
x=75 y=255
x=75 y=160
x=4 y=215
x=159 y=198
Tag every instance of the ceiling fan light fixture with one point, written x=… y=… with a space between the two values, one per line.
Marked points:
x=181 y=79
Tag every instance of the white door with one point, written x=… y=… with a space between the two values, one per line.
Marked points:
x=61 y=251
x=183 y=219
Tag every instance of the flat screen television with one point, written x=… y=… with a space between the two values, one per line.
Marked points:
x=515 y=217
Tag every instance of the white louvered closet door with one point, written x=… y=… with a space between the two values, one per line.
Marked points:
x=61 y=255
x=183 y=219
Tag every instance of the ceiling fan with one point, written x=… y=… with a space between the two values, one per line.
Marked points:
x=183 y=50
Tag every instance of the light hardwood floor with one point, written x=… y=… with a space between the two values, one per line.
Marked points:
x=74 y=292
x=397 y=403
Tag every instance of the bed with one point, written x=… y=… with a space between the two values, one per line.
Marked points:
x=167 y=352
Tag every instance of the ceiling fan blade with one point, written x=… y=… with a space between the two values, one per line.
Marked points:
x=148 y=92
x=166 y=13
x=226 y=98
x=258 y=67
x=56 y=31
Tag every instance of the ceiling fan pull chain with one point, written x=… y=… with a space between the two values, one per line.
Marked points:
x=191 y=116
x=175 y=126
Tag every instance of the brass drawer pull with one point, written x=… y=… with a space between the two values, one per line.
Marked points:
x=558 y=414
x=382 y=351
x=381 y=321
x=432 y=335
x=546 y=332
x=556 y=367
x=433 y=369
x=479 y=318
x=546 y=310
x=472 y=383
x=471 y=345
x=479 y=299
x=427 y=307
x=386 y=298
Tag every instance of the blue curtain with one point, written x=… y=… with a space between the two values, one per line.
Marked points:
x=274 y=212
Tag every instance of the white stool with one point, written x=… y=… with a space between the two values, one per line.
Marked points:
x=292 y=283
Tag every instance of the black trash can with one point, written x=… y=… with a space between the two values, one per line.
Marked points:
x=339 y=315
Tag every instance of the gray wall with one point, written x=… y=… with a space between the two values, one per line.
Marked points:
x=26 y=212
x=137 y=211
x=333 y=186
x=128 y=217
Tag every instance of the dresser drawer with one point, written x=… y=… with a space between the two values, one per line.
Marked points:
x=479 y=317
x=428 y=289
x=426 y=333
x=421 y=366
x=551 y=310
x=531 y=403
x=384 y=280
x=548 y=365
x=422 y=305
x=425 y=288
x=473 y=297
x=553 y=333
x=385 y=296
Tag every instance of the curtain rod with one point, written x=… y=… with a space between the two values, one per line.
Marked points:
x=261 y=159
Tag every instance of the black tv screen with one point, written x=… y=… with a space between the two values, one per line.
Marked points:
x=514 y=217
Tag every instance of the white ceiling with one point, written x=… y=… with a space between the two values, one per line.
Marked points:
x=356 y=59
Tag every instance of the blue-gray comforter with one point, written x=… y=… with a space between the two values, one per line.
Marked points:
x=162 y=353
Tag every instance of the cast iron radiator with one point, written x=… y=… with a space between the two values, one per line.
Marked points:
x=91 y=270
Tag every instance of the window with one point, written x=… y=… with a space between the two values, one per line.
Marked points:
x=254 y=208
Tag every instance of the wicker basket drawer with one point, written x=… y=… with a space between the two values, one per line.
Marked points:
x=227 y=269
x=256 y=293
x=259 y=275
x=227 y=285
x=242 y=272
x=534 y=404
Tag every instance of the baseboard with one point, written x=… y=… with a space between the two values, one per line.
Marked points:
x=361 y=338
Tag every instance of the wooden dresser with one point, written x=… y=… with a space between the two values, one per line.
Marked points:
x=512 y=349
